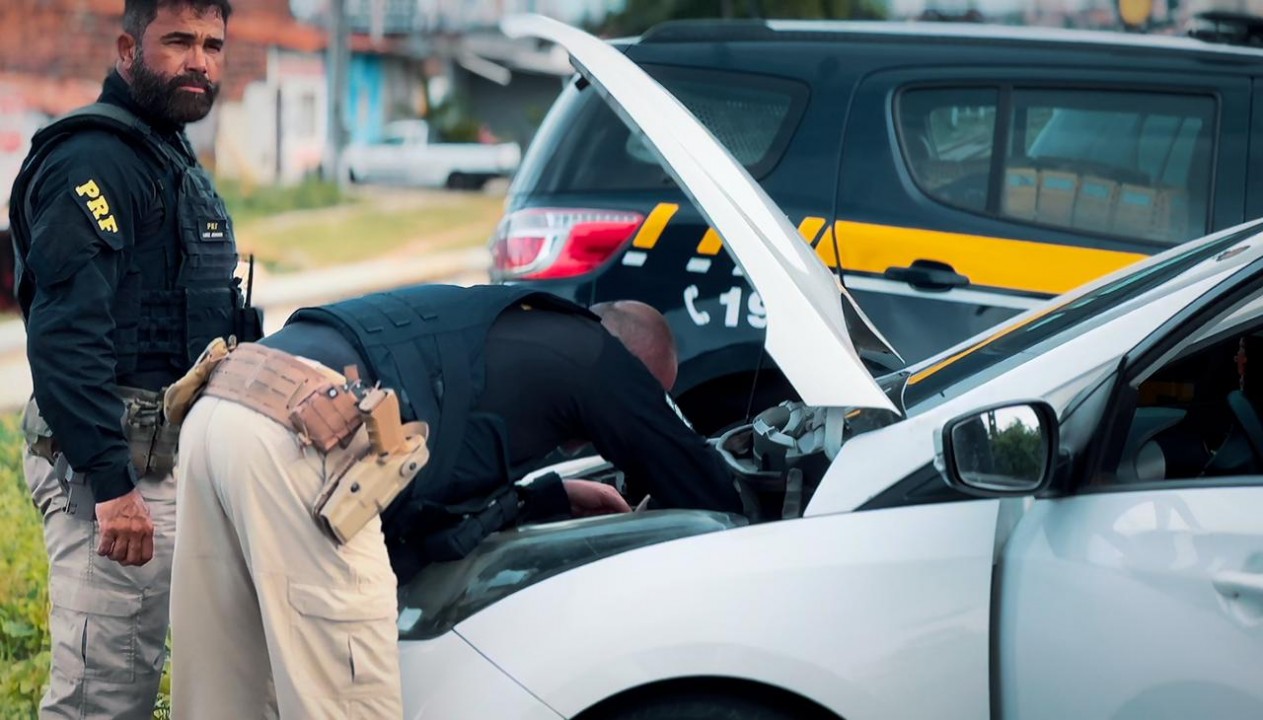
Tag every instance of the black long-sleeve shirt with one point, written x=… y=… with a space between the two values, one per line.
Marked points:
x=555 y=378
x=78 y=256
x=552 y=379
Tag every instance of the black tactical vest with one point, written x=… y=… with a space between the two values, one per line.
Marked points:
x=427 y=343
x=169 y=305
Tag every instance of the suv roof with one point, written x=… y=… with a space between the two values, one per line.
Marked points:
x=964 y=33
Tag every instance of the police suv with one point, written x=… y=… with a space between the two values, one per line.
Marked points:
x=958 y=174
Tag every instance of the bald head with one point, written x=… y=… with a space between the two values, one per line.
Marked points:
x=645 y=333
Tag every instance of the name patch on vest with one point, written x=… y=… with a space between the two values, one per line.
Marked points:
x=215 y=230
x=97 y=205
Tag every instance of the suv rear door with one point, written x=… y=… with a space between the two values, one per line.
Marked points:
x=970 y=194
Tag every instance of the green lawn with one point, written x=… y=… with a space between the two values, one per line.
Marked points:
x=316 y=224
x=251 y=202
x=366 y=229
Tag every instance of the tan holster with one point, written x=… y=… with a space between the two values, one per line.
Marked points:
x=182 y=393
x=325 y=411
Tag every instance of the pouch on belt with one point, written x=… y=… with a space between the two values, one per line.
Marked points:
x=38 y=436
x=151 y=438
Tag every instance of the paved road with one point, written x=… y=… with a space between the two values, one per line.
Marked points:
x=279 y=296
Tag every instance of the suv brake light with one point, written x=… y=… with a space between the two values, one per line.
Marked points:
x=543 y=243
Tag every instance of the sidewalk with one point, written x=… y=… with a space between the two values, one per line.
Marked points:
x=279 y=296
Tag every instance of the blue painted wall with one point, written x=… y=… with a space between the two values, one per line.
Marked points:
x=365 y=106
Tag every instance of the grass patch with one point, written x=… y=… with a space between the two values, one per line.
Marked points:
x=248 y=202
x=368 y=229
x=316 y=224
x=24 y=640
x=24 y=647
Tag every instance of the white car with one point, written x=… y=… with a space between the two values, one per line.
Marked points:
x=408 y=155
x=1061 y=519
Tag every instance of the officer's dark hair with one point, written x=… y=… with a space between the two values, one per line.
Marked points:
x=137 y=14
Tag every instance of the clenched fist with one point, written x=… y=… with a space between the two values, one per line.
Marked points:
x=126 y=529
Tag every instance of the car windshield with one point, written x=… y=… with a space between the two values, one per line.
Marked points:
x=964 y=369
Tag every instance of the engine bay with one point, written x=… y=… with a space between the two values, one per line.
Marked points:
x=777 y=459
x=780 y=457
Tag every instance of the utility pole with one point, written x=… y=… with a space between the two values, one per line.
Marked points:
x=337 y=58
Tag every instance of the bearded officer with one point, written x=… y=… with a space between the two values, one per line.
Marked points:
x=125 y=262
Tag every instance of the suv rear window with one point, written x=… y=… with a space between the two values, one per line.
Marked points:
x=585 y=147
x=1130 y=164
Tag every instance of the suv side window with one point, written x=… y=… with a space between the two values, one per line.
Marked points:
x=1130 y=164
x=947 y=139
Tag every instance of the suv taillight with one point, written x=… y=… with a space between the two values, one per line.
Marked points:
x=543 y=243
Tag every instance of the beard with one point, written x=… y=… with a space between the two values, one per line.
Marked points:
x=162 y=98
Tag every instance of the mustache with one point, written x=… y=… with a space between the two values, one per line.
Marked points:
x=193 y=80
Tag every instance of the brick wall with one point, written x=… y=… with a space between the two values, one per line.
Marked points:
x=71 y=39
x=74 y=40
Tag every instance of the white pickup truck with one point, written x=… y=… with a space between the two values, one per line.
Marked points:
x=407 y=155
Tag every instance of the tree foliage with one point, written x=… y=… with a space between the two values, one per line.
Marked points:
x=1018 y=452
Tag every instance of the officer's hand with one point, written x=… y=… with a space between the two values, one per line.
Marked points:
x=588 y=498
x=126 y=529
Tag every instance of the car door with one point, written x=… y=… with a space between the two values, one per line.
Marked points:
x=383 y=161
x=971 y=194
x=1140 y=594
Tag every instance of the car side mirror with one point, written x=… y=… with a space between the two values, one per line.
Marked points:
x=1001 y=451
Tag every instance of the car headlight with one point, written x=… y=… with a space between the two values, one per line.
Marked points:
x=444 y=594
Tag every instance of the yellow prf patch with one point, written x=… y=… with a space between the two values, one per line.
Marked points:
x=97 y=205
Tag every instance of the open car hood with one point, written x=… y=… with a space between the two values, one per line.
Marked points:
x=808 y=333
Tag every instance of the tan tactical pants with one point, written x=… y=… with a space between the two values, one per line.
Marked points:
x=108 y=622
x=267 y=613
